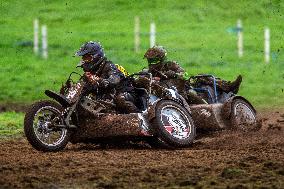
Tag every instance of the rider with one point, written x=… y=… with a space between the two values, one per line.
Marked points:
x=160 y=67
x=170 y=70
x=102 y=71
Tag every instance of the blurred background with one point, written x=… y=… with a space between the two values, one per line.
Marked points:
x=200 y=35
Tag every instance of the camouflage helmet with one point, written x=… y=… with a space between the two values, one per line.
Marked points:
x=155 y=54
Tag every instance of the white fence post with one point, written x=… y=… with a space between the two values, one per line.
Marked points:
x=36 y=36
x=152 y=34
x=267 y=45
x=44 y=41
x=240 y=38
x=137 y=34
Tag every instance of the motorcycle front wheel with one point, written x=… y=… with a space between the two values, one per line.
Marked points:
x=39 y=127
x=173 y=124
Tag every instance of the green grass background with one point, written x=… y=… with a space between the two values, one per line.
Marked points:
x=11 y=124
x=197 y=34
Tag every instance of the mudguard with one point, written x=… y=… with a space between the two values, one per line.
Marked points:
x=58 y=97
x=227 y=107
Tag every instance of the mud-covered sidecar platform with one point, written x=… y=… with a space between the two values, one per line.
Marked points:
x=235 y=113
x=105 y=126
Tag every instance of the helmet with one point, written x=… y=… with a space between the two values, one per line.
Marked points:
x=92 y=53
x=92 y=48
x=155 y=54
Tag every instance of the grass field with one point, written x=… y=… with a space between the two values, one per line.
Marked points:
x=198 y=34
x=11 y=124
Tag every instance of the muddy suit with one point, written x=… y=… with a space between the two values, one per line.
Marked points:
x=109 y=77
x=171 y=74
x=103 y=76
x=168 y=71
x=110 y=86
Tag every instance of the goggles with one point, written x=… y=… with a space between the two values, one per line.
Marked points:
x=87 y=58
x=153 y=60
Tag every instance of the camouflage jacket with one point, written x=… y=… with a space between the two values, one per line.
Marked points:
x=171 y=74
x=166 y=70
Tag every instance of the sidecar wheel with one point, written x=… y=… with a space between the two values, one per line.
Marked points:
x=38 y=129
x=173 y=124
x=243 y=116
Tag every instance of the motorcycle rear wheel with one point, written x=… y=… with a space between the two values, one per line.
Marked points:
x=173 y=124
x=38 y=127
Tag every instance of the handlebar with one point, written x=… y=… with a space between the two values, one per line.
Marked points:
x=74 y=73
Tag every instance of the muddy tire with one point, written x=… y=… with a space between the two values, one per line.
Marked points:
x=173 y=124
x=38 y=131
x=243 y=116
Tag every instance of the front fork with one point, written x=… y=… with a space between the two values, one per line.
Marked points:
x=77 y=94
x=69 y=111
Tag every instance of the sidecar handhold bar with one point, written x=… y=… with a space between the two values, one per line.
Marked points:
x=214 y=85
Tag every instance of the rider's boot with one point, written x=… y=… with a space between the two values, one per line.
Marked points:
x=229 y=86
x=235 y=85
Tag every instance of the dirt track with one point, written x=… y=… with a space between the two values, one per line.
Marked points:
x=225 y=159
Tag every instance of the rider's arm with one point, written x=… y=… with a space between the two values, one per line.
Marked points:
x=113 y=76
x=174 y=70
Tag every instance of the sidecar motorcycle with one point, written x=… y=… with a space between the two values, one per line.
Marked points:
x=76 y=116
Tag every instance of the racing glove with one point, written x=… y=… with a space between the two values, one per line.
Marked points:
x=91 y=78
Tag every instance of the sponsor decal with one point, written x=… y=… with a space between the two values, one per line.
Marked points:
x=205 y=112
